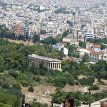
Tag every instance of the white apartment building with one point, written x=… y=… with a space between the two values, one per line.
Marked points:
x=98 y=54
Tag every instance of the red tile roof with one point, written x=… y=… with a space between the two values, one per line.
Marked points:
x=96 y=46
x=96 y=53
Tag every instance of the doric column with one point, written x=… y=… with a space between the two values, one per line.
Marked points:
x=60 y=65
x=52 y=65
x=55 y=65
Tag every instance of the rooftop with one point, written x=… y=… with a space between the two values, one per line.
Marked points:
x=43 y=58
x=96 y=46
x=96 y=53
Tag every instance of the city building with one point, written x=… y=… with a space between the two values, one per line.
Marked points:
x=83 y=51
x=17 y=29
x=96 y=48
x=58 y=46
x=50 y=63
x=65 y=50
x=26 y=30
x=98 y=55
x=88 y=36
x=89 y=45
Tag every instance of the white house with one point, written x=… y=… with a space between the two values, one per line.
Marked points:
x=83 y=51
x=65 y=50
x=58 y=46
x=96 y=48
x=98 y=55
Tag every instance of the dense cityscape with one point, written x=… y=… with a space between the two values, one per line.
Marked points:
x=50 y=49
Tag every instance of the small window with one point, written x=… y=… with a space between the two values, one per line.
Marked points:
x=105 y=56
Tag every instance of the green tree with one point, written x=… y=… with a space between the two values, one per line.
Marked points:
x=82 y=44
x=54 y=54
x=2 y=64
x=94 y=87
x=7 y=99
x=71 y=50
x=36 y=38
x=64 y=34
x=88 y=99
x=49 y=40
x=30 y=89
x=87 y=81
x=37 y=104
x=86 y=58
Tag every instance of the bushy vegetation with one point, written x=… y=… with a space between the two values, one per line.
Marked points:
x=10 y=97
x=49 y=40
x=98 y=41
x=102 y=42
x=82 y=44
x=14 y=56
x=87 y=81
x=86 y=98
x=30 y=89
x=37 y=104
x=94 y=87
x=15 y=72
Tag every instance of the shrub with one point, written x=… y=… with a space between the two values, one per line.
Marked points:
x=13 y=73
x=7 y=99
x=59 y=83
x=70 y=81
x=24 y=83
x=17 y=85
x=102 y=83
x=94 y=87
x=87 y=81
x=5 y=85
x=37 y=104
x=76 y=82
x=5 y=105
x=77 y=103
x=30 y=89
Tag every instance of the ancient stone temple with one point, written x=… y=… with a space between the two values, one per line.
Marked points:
x=50 y=63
